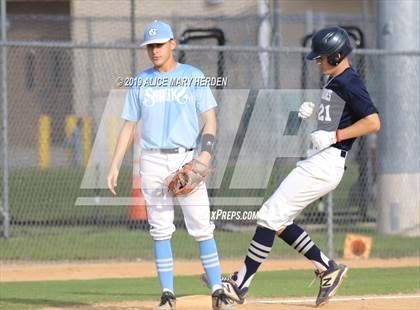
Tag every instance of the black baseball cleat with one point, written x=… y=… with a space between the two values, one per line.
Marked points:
x=231 y=289
x=330 y=281
x=167 y=301
x=220 y=301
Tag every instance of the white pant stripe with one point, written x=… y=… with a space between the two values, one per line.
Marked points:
x=164 y=269
x=208 y=261
x=260 y=246
x=254 y=257
x=163 y=260
x=303 y=235
x=208 y=255
x=256 y=251
x=165 y=265
x=303 y=243
x=306 y=249
x=212 y=265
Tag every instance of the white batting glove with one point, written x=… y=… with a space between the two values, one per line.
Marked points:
x=322 y=139
x=306 y=109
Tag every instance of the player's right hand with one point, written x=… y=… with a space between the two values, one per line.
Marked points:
x=306 y=109
x=112 y=180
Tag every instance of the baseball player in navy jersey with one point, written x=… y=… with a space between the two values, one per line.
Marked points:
x=345 y=112
x=170 y=130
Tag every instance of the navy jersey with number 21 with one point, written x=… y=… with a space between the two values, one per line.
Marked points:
x=344 y=101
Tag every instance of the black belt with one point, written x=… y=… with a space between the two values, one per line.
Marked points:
x=343 y=153
x=175 y=150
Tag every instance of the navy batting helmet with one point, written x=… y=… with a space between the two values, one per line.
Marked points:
x=330 y=42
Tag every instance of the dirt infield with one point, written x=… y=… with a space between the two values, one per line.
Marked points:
x=199 y=302
x=83 y=271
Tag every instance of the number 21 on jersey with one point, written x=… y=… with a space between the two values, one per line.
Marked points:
x=324 y=113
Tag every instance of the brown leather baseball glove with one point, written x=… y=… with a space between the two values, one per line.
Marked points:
x=187 y=178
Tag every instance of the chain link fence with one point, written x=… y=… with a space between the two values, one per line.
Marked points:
x=57 y=95
x=56 y=98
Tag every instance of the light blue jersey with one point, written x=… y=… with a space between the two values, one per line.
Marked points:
x=168 y=104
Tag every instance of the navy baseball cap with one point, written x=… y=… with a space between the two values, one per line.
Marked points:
x=157 y=32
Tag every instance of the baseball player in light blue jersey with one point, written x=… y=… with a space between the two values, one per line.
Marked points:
x=169 y=99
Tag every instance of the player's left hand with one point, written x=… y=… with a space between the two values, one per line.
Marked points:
x=322 y=139
x=112 y=180
x=188 y=178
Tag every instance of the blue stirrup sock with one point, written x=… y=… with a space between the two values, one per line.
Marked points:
x=164 y=264
x=210 y=260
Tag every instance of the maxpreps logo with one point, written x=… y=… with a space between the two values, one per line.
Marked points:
x=239 y=215
x=238 y=179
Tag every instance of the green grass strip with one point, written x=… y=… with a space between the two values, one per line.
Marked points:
x=290 y=283
x=81 y=243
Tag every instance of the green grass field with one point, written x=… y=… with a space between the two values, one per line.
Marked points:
x=79 y=243
x=34 y=295
x=50 y=195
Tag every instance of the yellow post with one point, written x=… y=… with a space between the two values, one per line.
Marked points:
x=86 y=138
x=111 y=136
x=44 y=132
x=71 y=123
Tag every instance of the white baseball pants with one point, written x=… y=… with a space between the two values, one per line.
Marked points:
x=154 y=168
x=312 y=178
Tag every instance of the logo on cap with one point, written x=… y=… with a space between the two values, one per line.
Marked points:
x=153 y=32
